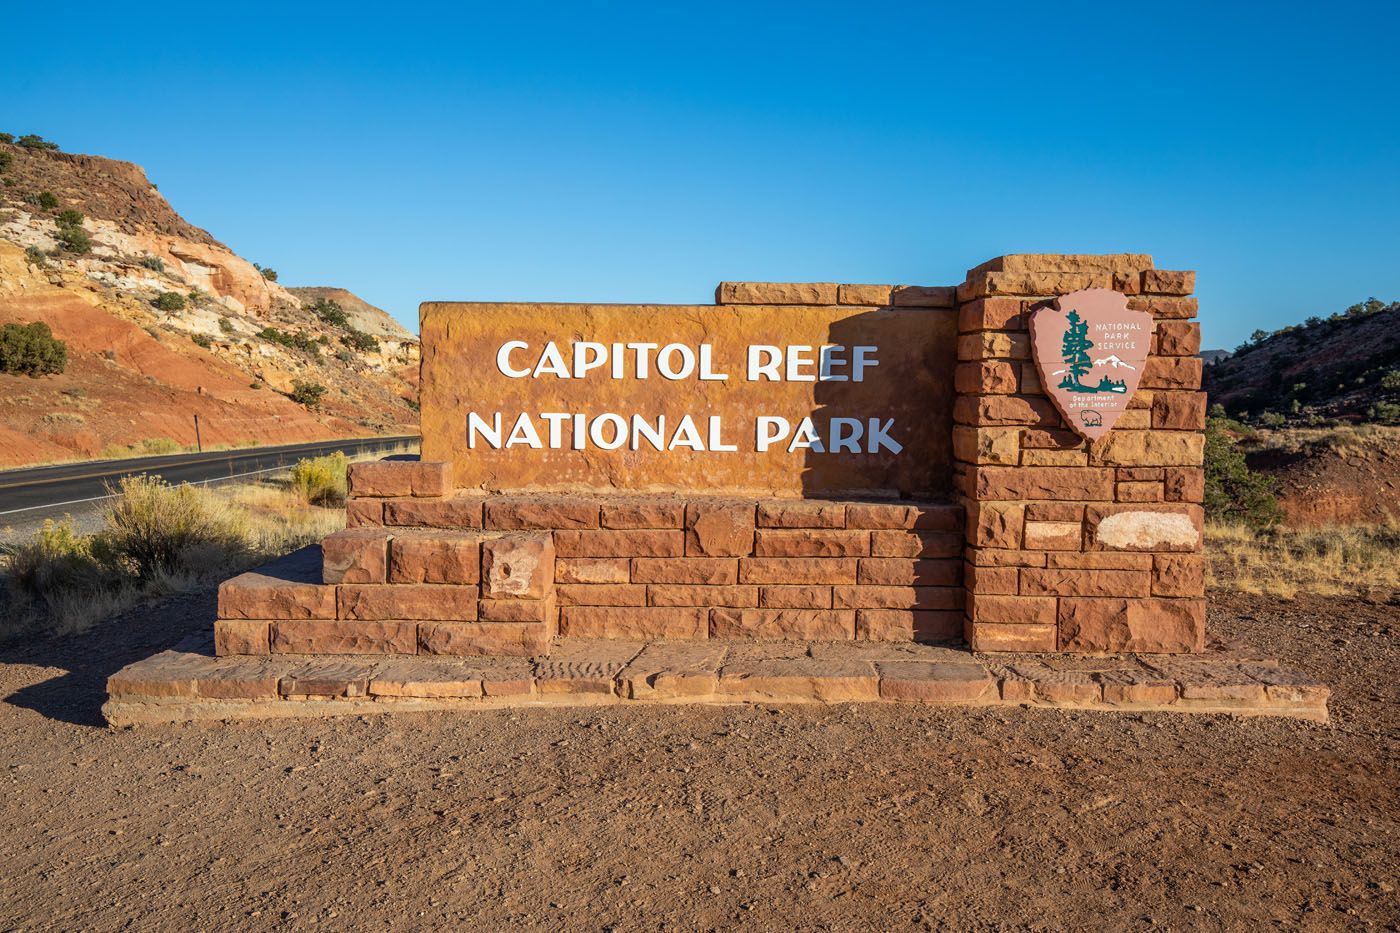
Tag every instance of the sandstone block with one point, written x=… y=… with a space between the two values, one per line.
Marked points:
x=256 y=595
x=897 y=571
x=644 y=513
x=1111 y=263
x=1053 y=536
x=1177 y=338
x=1179 y=411
x=672 y=670
x=1185 y=484
x=1179 y=575
x=986 y=376
x=788 y=680
x=435 y=557
x=795 y=597
x=1035 y=284
x=924 y=296
x=1139 y=492
x=932 y=516
x=1055 y=458
x=783 y=624
x=510 y=639
x=987 y=445
x=383 y=479
x=301 y=636
x=689 y=594
x=1011 y=610
x=915 y=544
x=241 y=636
x=806 y=542
x=1172 y=372
x=459 y=512
x=1163 y=282
x=874 y=295
x=327 y=678
x=1150 y=448
x=1145 y=527
x=985 y=410
x=406 y=601
x=355 y=555
x=778 y=513
x=991 y=636
x=363 y=513
x=1054 y=512
x=1141 y=625
x=902 y=625
x=994 y=345
x=602 y=594
x=424 y=678
x=536 y=513
x=992 y=557
x=995 y=524
x=709 y=571
x=1168 y=308
x=776 y=293
x=517 y=610
x=632 y=622
x=934 y=682
x=639 y=543
x=167 y=674
x=719 y=529
x=797 y=570
x=992 y=314
x=992 y=581
x=517 y=566
x=896 y=597
x=1011 y=483
x=1100 y=560
x=1049 y=581
x=1052 y=439
x=592 y=570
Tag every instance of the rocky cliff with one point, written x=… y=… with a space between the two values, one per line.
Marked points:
x=162 y=322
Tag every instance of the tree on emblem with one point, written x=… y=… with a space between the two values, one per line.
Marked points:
x=1075 y=352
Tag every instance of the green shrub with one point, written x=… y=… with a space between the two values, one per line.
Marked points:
x=59 y=563
x=269 y=274
x=225 y=325
x=330 y=311
x=75 y=239
x=7 y=137
x=31 y=350
x=6 y=160
x=44 y=200
x=154 y=263
x=321 y=480
x=154 y=528
x=202 y=340
x=1272 y=419
x=37 y=142
x=307 y=393
x=1235 y=493
x=359 y=340
x=1384 y=413
x=70 y=218
x=170 y=301
x=1391 y=380
x=298 y=341
x=35 y=256
x=255 y=385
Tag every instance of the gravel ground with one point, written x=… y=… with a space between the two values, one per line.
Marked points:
x=844 y=817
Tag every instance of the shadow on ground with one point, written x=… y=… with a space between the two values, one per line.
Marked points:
x=86 y=660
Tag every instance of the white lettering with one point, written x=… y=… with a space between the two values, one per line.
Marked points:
x=503 y=359
x=619 y=426
x=551 y=361
x=524 y=433
x=878 y=436
x=845 y=435
x=707 y=370
x=862 y=360
x=830 y=357
x=588 y=356
x=805 y=438
x=770 y=429
x=686 y=436
x=716 y=442
x=769 y=368
x=491 y=433
x=665 y=365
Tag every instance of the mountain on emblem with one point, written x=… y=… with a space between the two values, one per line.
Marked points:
x=1090 y=389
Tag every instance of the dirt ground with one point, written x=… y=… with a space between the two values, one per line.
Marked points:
x=843 y=818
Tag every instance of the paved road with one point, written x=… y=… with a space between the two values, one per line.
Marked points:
x=37 y=491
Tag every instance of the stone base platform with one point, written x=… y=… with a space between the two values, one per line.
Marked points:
x=190 y=683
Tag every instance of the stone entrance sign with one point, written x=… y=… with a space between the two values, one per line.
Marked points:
x=1090 y=351
x=759 y=400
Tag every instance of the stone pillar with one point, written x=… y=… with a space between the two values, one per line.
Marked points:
x=1073 y=546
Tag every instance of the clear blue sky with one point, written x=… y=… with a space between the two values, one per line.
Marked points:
x=643 y=152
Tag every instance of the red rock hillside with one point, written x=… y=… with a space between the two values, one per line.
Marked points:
x=139 y=366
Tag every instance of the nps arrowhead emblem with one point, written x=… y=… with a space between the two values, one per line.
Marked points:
x=1090 y=351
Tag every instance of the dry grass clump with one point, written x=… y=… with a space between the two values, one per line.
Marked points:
x=1337 y=561
x=157 y=539
x=1359 y=441
x=321 y=480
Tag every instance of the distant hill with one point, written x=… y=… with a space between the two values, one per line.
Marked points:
x=1213 y=356
x=162 y=322
x=1345 y=367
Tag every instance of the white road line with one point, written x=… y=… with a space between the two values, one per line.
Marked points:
x=200 y=482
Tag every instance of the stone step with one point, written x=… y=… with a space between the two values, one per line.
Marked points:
x=191 y=684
